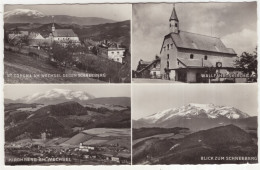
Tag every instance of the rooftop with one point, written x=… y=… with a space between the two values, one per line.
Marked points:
x=195 y=41
x=64 y=33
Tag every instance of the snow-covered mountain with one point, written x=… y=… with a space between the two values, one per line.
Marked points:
x=34 y=16
x=197 y=110
x=55 y=96
x=193 y=115
x=23 y=12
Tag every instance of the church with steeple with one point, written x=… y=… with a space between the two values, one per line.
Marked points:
x=63 y=36
x=186 y=56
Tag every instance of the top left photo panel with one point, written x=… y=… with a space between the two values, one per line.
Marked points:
x=67 y=43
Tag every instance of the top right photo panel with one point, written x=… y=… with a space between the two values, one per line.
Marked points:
x=194 y=43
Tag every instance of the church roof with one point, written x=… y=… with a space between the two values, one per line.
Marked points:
x=64 y=33
x=199 y=42
x=173 y=15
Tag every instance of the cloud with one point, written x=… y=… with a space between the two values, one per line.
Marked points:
x=245 y=40
x=150 y=25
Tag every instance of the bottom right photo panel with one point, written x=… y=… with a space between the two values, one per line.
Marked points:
x=194 y=124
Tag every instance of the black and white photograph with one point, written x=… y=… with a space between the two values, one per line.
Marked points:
x=67 y=43
x=67 y=124
x=194 y=42
x=194 y=124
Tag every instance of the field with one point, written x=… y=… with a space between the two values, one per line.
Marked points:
x=16 y=64
x=105 y=132
x=100 y=136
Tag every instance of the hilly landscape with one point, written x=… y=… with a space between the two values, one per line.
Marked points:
x=60 y=111
x=223 y=144
x=117 y=32
x=195 y=134
x=34 y=16
x=95 y=28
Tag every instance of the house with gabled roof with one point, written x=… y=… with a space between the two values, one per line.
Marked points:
x=148 y=69
x=185 y=56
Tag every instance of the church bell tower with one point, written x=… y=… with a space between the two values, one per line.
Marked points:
x=53 y=27
x=174 y=22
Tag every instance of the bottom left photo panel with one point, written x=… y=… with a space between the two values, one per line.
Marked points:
x=67 y=124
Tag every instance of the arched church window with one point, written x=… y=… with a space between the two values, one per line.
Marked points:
x=191 y=56
x=168 y=56
x=168 y=64
x=205 y=57
x=176 y=25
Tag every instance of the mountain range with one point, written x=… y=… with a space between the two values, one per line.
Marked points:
x=34 y=16
x=197 y=117
x=54 y=96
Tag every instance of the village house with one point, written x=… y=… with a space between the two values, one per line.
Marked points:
x=186 y=56
x=36 y=40
x=146 y=69
x=116 y=54
x=111 y=50
x=44 y=136
x=85 y=148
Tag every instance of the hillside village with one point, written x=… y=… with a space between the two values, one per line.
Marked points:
x=74 y=47
x=65 y=37
x=45 y=150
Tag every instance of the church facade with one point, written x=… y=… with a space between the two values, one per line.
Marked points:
x=187 y=56
x=64 y=36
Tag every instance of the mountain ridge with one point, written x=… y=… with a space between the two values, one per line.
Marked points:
x=195 y=117
x=54 y=96
x=33 y=16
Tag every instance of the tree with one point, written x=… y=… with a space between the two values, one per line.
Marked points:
x=61 y=54
x=247 y=62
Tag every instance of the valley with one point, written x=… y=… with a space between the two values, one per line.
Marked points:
x=70 y=129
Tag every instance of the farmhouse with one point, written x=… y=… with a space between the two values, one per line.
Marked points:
x=36 y=40
x=146 y=69
x=186 y=56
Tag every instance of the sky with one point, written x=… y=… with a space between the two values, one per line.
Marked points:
x=117 y=12
x=97 y=90
x=234 y=23
x=150 y=99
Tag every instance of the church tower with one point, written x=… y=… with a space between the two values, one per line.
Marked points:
x=174 y=22
x=53 y=27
